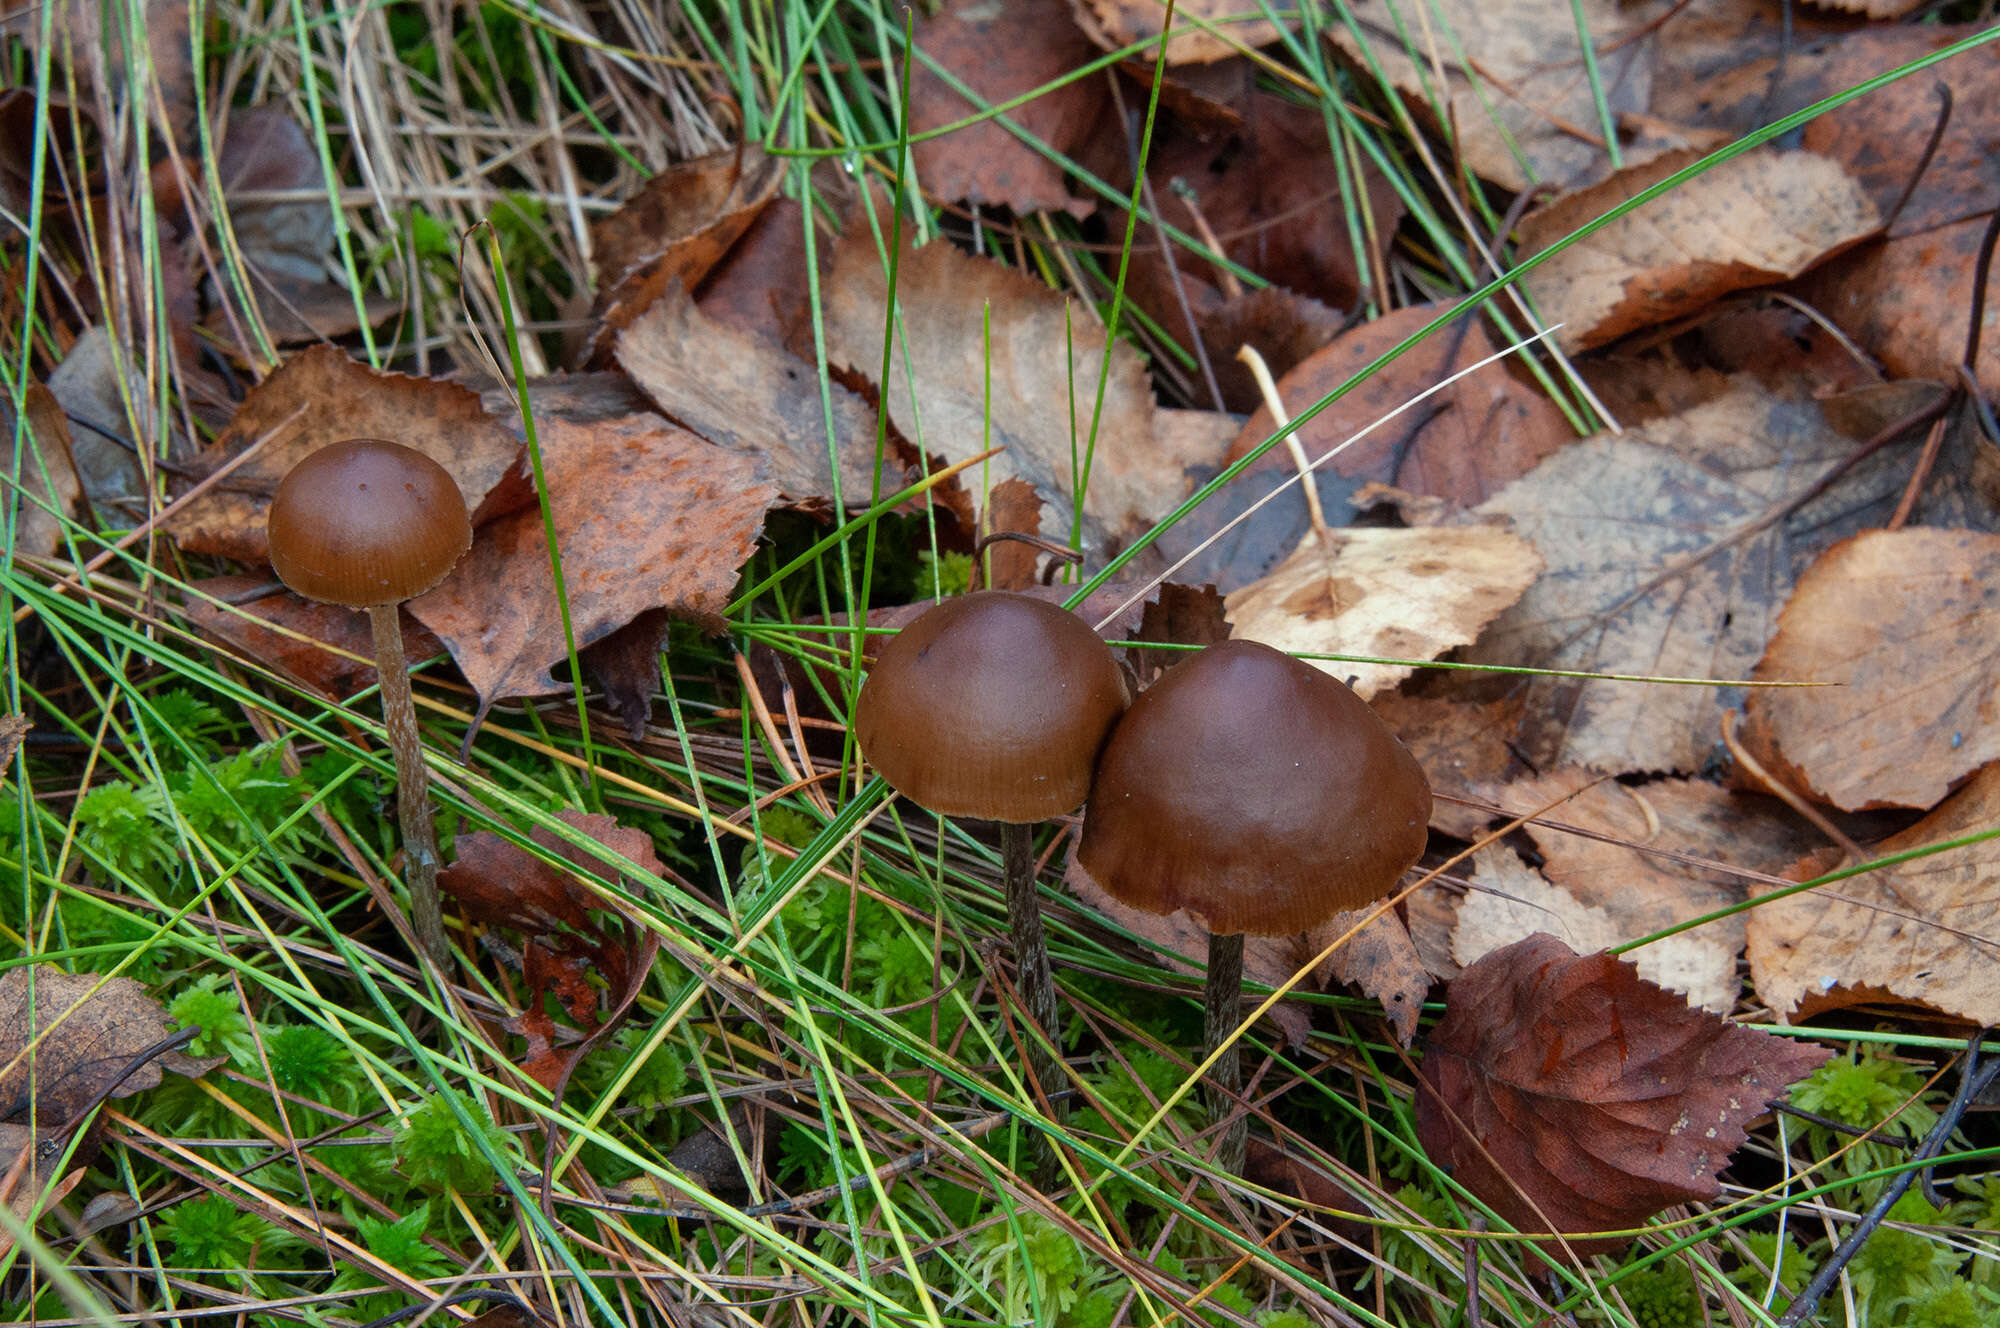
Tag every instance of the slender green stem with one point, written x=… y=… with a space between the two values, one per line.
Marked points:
x=413 y=788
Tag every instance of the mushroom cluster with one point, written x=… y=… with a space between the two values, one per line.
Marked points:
x=1255 y=792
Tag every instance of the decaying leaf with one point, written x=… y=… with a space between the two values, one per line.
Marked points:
x=679 y=225
x=1922 y=933
x=284 y=240
x=1517 y=96
x=751 y=396
x=1907 y=622
x=1270 y=194
x=1658 y=566
x=758 y=286
x=13 y=728
x=594 y=970
x=1571 y=1096
x=1204 y=30
x=1283 y=327
x=1754 y=220
x=1380 y=959
x=646 y=516
x=86 y=385
x=1908 y=302
x=1000 y=52
x=319 y=397
x=1044 y=349
x=86 y=1031
x=1463 y=748
x=48 y=485
x=328 y=648
x=1180 y=616
x=1386 y=593
x=1598 y=879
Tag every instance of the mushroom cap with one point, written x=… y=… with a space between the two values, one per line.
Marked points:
x=1257 y=793
x=367 y=522
x=992 y=705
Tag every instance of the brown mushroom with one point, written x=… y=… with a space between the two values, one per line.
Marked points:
x=1261 y=795
x=369 y=524
x=994 y=705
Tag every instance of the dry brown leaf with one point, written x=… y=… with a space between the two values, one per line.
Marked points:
x=1044 y=348
x=626 y=668
x=48 y=486
x=1907 y=622
x=1727 y=76
x=86 y=385
x=86 y=1032
x=594 y=972
x=1270 y=194
x=13 y=728
x=336 y=399
x=1462 y=746
x=1204 y=30
x=1386 y=593
x=1001 y=52
x=1629 y=892
x=646 y=516
x=1923 y=933
x=680 y=224
x=752 y=397
x=1571 y=1096
x=1908 y=302
x=1640 y=582
x=298 y=637
x=1754 y=220
x=1181 y=616
x=1012 y=506
x=1515 y=78
x=759 y=286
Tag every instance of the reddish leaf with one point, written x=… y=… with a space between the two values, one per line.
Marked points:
x=48 y=486
x=324 y=646
x=501 y=884
x=1012 y=506
x=1180 y=616
x=679 y=225
x=320 y=397
x=1001 y=52
x=646 y=516
x=1571 y=1096
x=1908 y=302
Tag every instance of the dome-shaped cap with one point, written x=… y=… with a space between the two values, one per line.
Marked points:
x=367 y=522
x=992 y=705
x=1256 y=792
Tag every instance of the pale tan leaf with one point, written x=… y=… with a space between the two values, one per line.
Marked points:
x=1918 y=667
x=1395 y=594
x=1925 y=933
x=1754 y=220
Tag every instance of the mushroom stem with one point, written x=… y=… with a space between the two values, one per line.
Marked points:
x=413 y=790
x=1031 y=951
x=1222 y=1010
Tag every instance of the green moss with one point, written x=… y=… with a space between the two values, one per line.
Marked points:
x=437 y=1153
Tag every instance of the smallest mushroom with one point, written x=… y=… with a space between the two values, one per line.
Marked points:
x=1261 y=795
x=369 y=524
